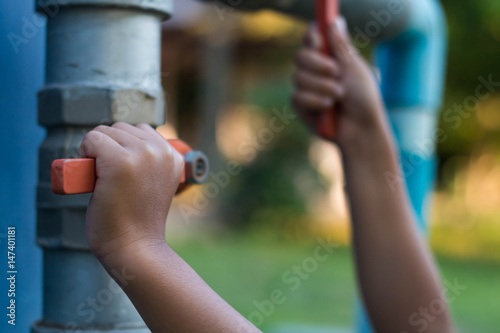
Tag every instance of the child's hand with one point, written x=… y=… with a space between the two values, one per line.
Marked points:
x=138 y=173
x=344 y=81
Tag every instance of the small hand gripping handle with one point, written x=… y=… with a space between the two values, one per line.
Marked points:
x=326 y=13
x=77 y=175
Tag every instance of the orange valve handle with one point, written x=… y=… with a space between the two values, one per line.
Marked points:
x=77 y=175
x=326 y=13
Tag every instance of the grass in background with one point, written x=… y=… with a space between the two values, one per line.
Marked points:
x=245 y=269
x=476 y=309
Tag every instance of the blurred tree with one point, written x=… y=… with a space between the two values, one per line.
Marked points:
x=473 y=53
x=267 y=192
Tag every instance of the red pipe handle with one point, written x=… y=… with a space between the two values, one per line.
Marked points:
x=77 y=175
x=326 y=13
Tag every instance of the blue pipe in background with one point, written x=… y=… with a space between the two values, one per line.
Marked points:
x=413 y=70
x=22 y=36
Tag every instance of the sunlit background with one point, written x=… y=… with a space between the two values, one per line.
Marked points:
x=275 y=188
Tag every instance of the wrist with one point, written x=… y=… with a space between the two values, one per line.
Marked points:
x=133 y=265
x=371 y=164
x=133 y=256
x=127 y=249
x=369 y=142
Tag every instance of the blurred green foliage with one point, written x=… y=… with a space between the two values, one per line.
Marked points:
x=474 y=41
x=266 y=192
x=266 y=186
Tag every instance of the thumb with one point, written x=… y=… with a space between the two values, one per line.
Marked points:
x=340 y=41
x=313 y=38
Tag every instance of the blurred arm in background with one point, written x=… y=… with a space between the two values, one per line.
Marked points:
x=397 y=274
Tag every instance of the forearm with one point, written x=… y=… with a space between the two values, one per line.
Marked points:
x=170 y=296
x=396 y=272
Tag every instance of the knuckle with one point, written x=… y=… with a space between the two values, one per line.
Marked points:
x=91 y=138
x=92 y=135
x=101 y=128
x=149 y=151
x=335 y=66
x=341 y=92
x=325 y=64
x=313 y=101
x=168 y=149
x=157 y=152
x=127 y=164
x=331 y=88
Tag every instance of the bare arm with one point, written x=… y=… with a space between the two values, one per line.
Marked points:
x=169 y=294
x=138 y=173
x=396 y=272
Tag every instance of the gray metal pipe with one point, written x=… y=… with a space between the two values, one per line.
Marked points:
x=102 y=66
x=391 y=16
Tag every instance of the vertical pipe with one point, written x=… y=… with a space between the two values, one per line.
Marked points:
x=103 y=66
x=413 y=67
x=21 y=66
